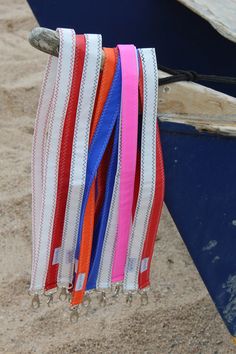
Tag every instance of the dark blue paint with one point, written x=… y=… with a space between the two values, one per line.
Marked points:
x=200 y=168
x=201 y=197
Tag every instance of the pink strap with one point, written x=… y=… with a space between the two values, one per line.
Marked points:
x=129 y=133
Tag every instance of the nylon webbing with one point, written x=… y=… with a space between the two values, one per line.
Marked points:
x=65 y=164
x=91 y=71
x=129 y=132
x=51 y=138
x=148 y=170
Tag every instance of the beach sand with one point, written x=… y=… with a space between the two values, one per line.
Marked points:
x=180 y=316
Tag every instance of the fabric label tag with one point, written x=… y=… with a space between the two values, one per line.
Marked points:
x=69 y=256
x=80 y=282
x=56 y=256
x=144 y=264
x=132 y=264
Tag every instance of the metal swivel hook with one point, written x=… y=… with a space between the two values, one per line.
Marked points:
x=117 y=291
x=129 y=299
x=74 y=316
x=103 y=299
x=35 y=302
x=63 y=295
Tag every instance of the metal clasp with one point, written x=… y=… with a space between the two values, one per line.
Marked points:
x=74 y=316
x=35 y=302
x=129 y=299
x=117 y=291
x=63 y=295
x=103 y=299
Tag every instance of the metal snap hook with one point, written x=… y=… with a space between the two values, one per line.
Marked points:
x=74 y=316
x=49 y=300
x=35 y=302
x=103 y=299
x=63 y=295
x=117 y=291
x=129 y=299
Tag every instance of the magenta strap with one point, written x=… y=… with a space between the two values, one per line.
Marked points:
x=129 y=134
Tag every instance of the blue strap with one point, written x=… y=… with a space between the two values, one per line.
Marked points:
x=103 y=217
x=109 y=116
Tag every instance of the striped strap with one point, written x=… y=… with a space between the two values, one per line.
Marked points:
x=91 y=71
x=100 y=229
x=144 y=271
x=109 y=243
x=59 y=102
x=64 y=165
x=148 y=170
x=129 y=132
x=99 y=143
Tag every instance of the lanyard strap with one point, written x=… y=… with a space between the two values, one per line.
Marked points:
x=52 y=151
x=148 y=170
x=100 y=140
x=91 y=71
x=103 y=217
x=38 y=148
x=129 y=132
x=144 y=272
x=64 y=165
x=109 y=242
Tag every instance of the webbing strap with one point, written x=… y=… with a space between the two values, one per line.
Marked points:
x=103 y=217
x=64 y=165
x=109 y=242
x=144 y=272
x=52 y=136
x=99 y=143
x=89 y=83
x=129 y=132
x=148 y=170
x=38 y=148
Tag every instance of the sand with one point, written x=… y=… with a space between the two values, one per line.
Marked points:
x=180 y=316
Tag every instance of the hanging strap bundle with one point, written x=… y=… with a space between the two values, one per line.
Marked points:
x=97 y=171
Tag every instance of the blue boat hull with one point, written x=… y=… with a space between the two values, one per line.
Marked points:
x=200 y=168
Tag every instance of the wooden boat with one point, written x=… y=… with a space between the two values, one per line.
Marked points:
x=198 y=125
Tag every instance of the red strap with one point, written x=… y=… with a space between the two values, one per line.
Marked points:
x=144 y=276
x=65 y=163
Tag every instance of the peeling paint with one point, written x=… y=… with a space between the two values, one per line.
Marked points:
x=210 y=245
x=230 y=309
x=215 y=259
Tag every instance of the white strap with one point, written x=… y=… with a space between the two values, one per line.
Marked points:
x=59 y=101
x=148 y=170
x=89 y=83
x=108 y=250
x=38 y=148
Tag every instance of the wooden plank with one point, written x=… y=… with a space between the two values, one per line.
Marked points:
x=221 y=14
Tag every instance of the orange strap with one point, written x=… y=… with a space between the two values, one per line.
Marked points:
x=88 y=225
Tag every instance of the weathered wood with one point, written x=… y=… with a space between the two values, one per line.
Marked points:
x=221 y=14
x=45 y=40
x=181 y=102
x=197 y=105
